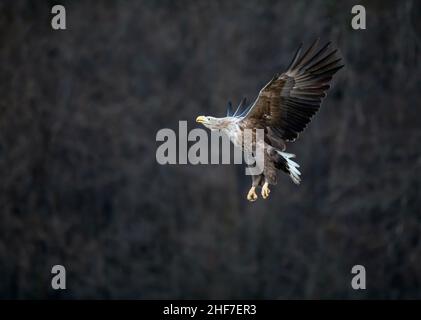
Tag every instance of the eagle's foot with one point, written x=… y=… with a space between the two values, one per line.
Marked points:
x=265 y=190
x=252 y=195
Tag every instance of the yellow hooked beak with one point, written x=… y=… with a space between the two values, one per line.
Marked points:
x=201 y=119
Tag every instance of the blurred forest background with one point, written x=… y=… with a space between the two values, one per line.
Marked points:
x=80 y=186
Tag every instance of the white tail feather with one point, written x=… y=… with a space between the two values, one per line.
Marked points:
x=292 y=166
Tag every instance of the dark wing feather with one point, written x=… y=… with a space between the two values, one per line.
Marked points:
x=287 y=103
x=229 y=109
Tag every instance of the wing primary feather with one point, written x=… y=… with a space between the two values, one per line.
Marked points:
x=329 y=72
x=240 y=107
x=229 y=109
x=296 y=56
x=306 y=56
x=318 y=63
x=316 y=56
x=326 y=67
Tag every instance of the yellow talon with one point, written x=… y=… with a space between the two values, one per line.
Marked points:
x=265 y=190
x=252 y=195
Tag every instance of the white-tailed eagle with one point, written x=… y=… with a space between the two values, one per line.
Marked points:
x=283 y=108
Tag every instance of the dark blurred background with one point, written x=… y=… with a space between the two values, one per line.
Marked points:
x=80 y=186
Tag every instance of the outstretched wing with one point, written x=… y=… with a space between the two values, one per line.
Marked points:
x=286 y=104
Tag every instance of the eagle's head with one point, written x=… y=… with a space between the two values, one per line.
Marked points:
x=212 y=122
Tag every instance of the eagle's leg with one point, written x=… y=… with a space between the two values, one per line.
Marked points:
x=265 y=190
x=252 y=195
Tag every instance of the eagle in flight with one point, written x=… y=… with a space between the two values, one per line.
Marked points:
x=283 y=108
